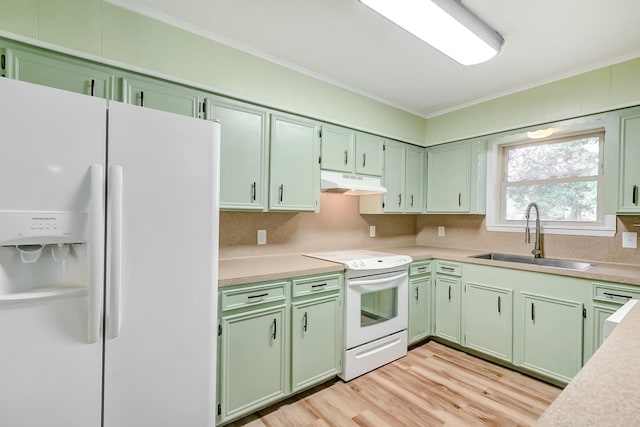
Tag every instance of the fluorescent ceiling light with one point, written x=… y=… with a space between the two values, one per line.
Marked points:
x=445 y=24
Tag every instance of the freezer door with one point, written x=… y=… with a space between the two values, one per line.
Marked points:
x=162 y=253
x=50 y=308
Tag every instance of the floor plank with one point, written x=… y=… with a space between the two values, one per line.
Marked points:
x=433 y=386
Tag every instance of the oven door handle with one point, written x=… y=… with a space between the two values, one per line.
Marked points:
x=378 y=284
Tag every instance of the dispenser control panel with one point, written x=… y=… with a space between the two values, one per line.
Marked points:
x=24 y=228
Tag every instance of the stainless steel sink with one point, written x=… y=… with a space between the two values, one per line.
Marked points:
x=546 y=262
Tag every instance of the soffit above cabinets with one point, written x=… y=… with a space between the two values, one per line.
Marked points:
x=347 y=44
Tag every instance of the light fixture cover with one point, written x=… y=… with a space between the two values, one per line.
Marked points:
x=447 y=25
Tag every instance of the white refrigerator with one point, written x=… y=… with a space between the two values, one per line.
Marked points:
x=108 y=262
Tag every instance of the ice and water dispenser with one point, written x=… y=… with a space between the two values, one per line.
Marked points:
x=43 y=254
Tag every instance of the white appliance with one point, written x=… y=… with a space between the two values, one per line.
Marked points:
x=376 y=313
x=612 y=321
x=108 y=262
x=350 y=184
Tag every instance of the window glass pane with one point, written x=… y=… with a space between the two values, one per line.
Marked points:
x=574 y=158
x=567 y=201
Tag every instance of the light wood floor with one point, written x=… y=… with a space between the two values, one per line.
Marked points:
x=433 y=386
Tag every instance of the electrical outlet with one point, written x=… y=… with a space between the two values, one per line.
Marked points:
x=262 y=237
x=372 y=231
x=630 y=239
x=441 y=231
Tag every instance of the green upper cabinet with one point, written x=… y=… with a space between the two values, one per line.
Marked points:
x=456 y=177
x=58 y=71
x=159 y=95
x=414 y=180
x=550 y=342
x=244 y=153
x=629 y=192
x=403 y=178
x=338 y=148
x=295 y=166
x=394 y=172
x=488 y=324
x=369 y=154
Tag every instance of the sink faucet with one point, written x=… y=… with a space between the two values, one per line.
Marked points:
x=537 y=251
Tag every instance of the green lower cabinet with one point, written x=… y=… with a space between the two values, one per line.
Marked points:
x=488 y=323
x=600 y=314
x=316 y=341
x=254 y=350
x=420 y=297
x=550 y=341
x=447 y=307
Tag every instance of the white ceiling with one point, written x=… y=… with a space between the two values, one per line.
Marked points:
x=345 y=43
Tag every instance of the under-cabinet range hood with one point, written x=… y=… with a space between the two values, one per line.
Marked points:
x=350 y=184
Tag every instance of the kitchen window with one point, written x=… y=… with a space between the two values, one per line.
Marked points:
x=563 y=174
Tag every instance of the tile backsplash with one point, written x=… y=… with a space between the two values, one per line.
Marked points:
x=469 y=231
x=339 y=226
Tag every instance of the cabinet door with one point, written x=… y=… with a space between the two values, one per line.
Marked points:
x=551 y=339
x=59 y=72
x=419 y=308
x=447 y=306
x=448 y=182
x=161 y=96
x=338 y=148
x=394 y=159
x=369 y=154
x=600 y=314
x=629 y=171
x=489 y=320
x=243 y=153
x=414 y=180
x=294 y=168
x=253 y=350
x=317 y=341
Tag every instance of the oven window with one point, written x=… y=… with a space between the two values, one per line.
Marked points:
x=378 y=307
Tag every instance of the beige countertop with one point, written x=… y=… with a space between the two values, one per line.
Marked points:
x=605 y=391
x=235 y=271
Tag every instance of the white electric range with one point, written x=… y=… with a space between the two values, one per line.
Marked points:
x=376 y=301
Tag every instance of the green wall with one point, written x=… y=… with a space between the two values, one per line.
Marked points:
x=601 y=90
x=101 y=30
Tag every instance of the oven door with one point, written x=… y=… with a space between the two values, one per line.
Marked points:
x=376 y=307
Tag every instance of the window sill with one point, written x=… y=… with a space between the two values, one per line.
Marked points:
x=606 y=229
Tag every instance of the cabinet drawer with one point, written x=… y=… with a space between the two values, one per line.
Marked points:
x=313 y=285
x=450 y=268
x=253 y=296
x=420 y=268
x=616 y=294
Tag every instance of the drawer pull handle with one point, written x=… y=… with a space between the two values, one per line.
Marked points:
x=449 y=292
x=417 y=294
x=364 y=160
x=499 y=306
x=258 y=296
x=459 y=199
x=346 y=157
x=422 y=268
x=253 y=192
x=93 y=87
x=281 y=189
x=321 y=285
x=610 y=295
x=635 y=195
x=447 y=268
x=305 y=321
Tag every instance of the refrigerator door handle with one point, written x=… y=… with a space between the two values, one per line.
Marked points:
x=96 y=245
x=115 y=201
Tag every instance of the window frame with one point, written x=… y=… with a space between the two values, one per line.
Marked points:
x=598 y=179
x=604 y=122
